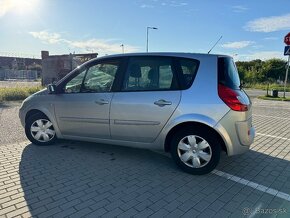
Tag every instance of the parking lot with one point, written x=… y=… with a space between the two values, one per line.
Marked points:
x=79 y=179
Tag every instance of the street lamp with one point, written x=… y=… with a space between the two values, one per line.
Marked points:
x=122 y=48
x=152 y=28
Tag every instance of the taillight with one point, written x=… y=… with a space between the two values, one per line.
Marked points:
x=231 y=98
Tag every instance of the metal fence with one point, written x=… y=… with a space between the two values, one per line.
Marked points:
x=18 y=74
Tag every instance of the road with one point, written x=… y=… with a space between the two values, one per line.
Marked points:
x=76 y=179
x=257 y=92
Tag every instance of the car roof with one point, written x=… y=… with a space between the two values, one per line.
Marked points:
x=169 y=54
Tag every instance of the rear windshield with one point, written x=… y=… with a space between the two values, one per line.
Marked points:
x=227 y=73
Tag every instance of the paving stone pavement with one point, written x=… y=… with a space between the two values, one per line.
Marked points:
x=11 y=130
x=78 y=179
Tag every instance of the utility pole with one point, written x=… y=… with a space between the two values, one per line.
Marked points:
x=286 y=52
x=286 y=77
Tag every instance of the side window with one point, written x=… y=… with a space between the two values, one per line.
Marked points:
x=100 y=77
x=189 y=69
x=149 y=74
x=96 y=78
x=74 y=85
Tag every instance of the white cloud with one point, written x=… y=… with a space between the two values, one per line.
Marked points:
x=168 y=3
x=237 y=45
x=271 y=38
x=97 y=45
x=257 y=46
x=269 y=24
x=101 y=46
x=177 y=4
x=239 y=8
x=146 y=6
x=262 y=55
x=45 y=36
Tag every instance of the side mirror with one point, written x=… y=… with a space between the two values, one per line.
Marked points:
x=51 y=89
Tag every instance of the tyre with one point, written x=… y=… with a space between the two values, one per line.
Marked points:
x=39 y=130
x=195 y=151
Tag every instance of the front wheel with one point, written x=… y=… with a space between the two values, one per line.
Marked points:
x=195 y=151
x=39 y=130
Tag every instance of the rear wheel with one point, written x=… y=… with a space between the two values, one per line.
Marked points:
x=195 y=151
x=39 y=130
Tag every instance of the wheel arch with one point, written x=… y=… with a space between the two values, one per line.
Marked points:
x=47 y=114
x=194 y=125
x=32 y=112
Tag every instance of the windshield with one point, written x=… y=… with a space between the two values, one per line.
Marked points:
x=227 y=73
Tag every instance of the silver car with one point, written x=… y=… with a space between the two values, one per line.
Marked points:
x=190 y=105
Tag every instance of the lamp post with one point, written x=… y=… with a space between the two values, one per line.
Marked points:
x=122 y=48
x=152 y=28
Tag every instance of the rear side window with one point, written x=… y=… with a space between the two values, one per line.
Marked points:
x=228 y=73
x=188 y=68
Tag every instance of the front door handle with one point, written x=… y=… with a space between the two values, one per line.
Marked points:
x=162 y=103
x=101 y=102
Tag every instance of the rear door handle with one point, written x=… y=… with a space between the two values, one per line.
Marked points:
x=101 y=102
x=162 y=102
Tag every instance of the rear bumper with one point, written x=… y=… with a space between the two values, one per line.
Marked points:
x=238 y=136
x=245 y=131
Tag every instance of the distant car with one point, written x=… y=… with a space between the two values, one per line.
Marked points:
x=191 y=105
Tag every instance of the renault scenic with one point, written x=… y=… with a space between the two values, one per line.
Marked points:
x=191 y=105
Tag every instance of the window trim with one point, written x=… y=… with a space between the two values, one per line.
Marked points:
x=120 y=74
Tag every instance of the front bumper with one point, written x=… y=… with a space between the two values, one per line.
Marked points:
x=21 y=115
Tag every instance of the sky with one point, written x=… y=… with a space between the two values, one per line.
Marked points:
x=250 y=29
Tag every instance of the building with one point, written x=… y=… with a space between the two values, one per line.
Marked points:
x=17 y=63
x=55 y=67
x=19 y=68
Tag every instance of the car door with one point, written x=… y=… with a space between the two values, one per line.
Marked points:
x=82 y=108
x=147 y=98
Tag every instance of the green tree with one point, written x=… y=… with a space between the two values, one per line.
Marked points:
x=257 y=71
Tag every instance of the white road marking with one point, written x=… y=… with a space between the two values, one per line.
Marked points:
x=258 y=115
x=272 y=136
x=253 y=185
x=245 y=182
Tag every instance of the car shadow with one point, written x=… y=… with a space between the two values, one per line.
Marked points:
x=69 y=177
x=54 y=177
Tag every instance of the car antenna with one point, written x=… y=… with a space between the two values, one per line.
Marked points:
x=215 y=44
